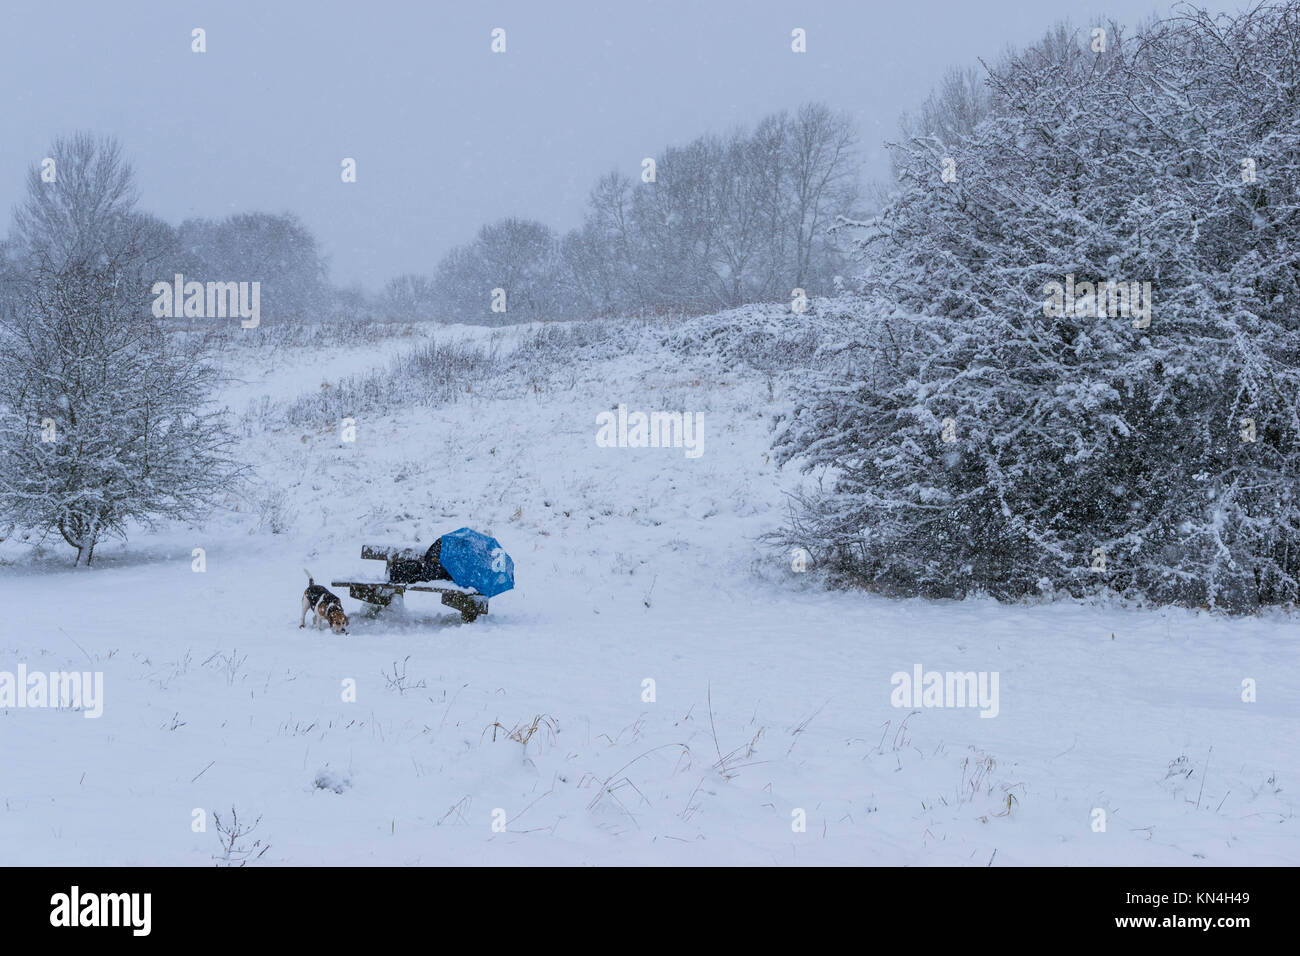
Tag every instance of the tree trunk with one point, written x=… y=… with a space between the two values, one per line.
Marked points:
x=74 y=542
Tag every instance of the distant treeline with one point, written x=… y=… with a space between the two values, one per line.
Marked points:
x=722 y=221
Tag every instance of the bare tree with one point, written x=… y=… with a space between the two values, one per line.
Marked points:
x=952 y=111
x=821 y=147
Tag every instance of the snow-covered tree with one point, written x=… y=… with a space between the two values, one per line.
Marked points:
x=519 y=257
x=103 y=416
x=274 y=249
x=410 y=296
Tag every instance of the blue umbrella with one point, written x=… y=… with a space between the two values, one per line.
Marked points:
x=476 y=561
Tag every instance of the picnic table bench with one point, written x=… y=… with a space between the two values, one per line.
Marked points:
x=409 y=569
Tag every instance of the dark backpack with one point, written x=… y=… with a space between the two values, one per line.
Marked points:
x=428 y=568
x=406 y=571
x=433 y=563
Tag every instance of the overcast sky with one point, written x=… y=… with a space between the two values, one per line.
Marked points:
x=446 y=134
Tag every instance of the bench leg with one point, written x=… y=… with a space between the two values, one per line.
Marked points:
x=470 y=607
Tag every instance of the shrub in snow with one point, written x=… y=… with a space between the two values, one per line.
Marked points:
x=995 y=439
x=330 y=779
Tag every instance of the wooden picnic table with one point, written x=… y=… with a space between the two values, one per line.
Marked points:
x=413 y=570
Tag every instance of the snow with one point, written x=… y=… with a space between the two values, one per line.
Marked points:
x=771 y=694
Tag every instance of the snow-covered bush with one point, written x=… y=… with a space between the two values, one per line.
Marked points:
x=996 y=440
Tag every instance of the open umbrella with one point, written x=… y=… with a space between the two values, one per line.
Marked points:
x=477 y=561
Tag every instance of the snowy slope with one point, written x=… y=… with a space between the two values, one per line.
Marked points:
x=771 y=696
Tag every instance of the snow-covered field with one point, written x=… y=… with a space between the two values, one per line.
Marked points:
x=532 y=736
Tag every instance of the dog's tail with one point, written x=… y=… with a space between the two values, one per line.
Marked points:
x=310 y=579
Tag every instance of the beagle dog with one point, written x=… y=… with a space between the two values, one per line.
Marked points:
x=325 y=606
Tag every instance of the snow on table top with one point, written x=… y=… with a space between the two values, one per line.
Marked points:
x=409 y=585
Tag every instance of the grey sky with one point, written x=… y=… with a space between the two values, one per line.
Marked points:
x=446 y=134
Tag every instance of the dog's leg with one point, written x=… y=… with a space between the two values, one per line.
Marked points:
x=306 y=606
